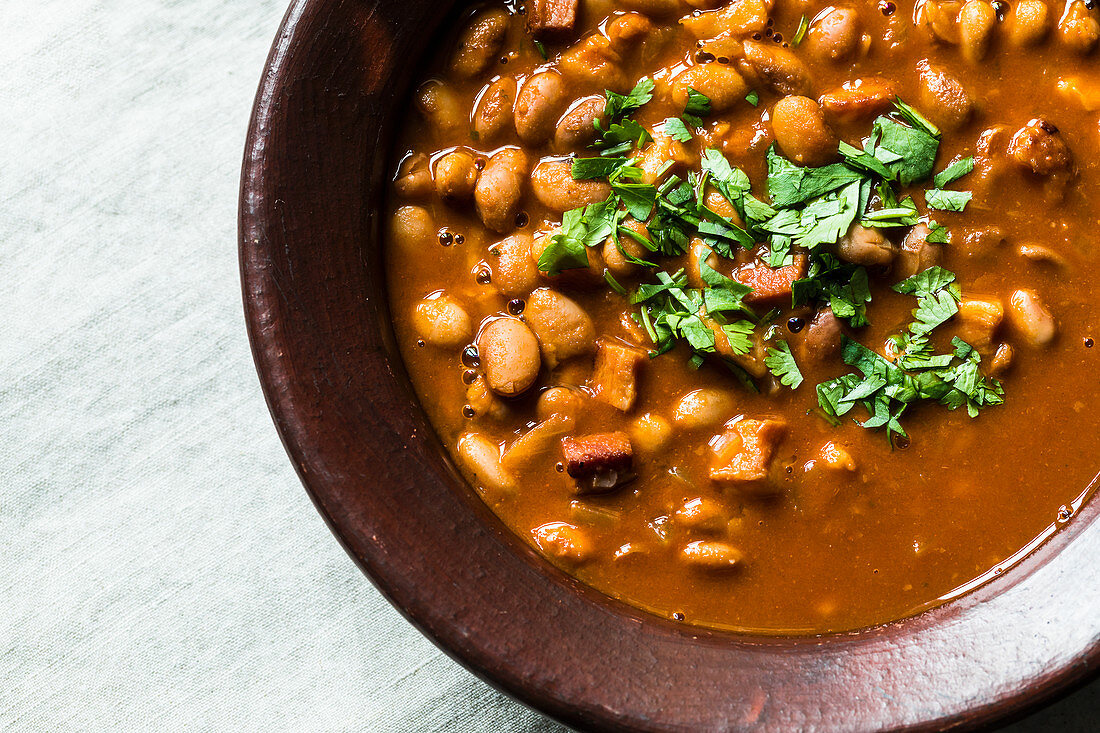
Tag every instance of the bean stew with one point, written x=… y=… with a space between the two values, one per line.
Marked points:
x=766 y=315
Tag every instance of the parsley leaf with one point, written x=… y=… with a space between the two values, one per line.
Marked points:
x=620 y=105
x=592 y=168
x=790 y=184
x=675 y=128
x=800 y=32
x=780 y=362
x=947 y=200
x=753 y=98
x=698 y=105
x=953 y=172
x=580 y=228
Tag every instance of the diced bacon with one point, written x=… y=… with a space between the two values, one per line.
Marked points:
x=743 y=453
x=615 y=376
x=551 y=19
x=768 y=283
x=600 y=462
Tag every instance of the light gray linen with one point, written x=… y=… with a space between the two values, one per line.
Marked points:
x=161 y=568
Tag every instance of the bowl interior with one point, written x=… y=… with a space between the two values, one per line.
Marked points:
x=314 y=179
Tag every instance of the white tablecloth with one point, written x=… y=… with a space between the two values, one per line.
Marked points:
x=161 y=568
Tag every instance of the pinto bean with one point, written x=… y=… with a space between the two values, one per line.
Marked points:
x=857 y=101
x=441 y=107
x=1082 y=90
x=626 y=30
x=712 y=555
x=702 y=408
x=976 y=22
x=455 y=176
x=940 y=17
x=479 y=45
x=702 y=514
x=514 y=273
x=776 y=68
x=917 y=253
x=563 y=329
x=1039 y=148
x=615 y=260
x=538 y=105
x=493 y=115
x=978 y=319
x=658 y=153
x=536 y=443
x=737 y=18
x=509 y=355
x=481 y=457
x=414 y=178
x=576 y=128
x=499 y=188
x=942 y=97
x=594 y=63
x=1078 y=29
x=1030 y=319
x=556 y=189
x=719 y=82
x=412 y=228
x=563 y=542
x=559 y=401
x=836 y=35
x=441 y=321
x=1027 y=22
x=865 y=246
x=801 y=131
x=822 y=337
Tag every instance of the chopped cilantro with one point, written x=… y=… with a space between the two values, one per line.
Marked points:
x=675 y=128
x=938 y=234
x=580 y=228
x=753 y=98
x=953 y=172
x=611 y=281
x=781 y=363
x=947 y=200
x=790 y=184
x=620 y=105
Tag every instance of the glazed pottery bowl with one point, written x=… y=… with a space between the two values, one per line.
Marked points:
x=315 y=171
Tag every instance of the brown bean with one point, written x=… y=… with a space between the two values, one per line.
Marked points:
x=976 y=22
x=702 y=514
x=737 y=18
x=441 y=321
x=455 y=176
x=702 y=408
x=917 y=253
x=719 y=82
x=493 y=115
x=480 y=42
x=412 y=229
x=563 y=542
x=1030 y=319
x=593 y=63
x=627 y=30
x=776 y=68
x=514 y=273
x=1078 y=29
x=414 y=178
x=554 y=186
x=613 y=256
x=482 y=458
x=865 y=246
x=509 y=355
x=564 y=330
x=576 y=128
x=822 y=338
x=942 y=97
x=650 y=433
x=500 y=187
x=978 y=319
x=563 y=401
x=857 y=101
x=654 y=8
x=1039 y=148
x=538 y=105
x=836 y=35
x=441 y=107
x=801 y=131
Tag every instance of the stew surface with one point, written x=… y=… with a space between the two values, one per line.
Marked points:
x=766 y=315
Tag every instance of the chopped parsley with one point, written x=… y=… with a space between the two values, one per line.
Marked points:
x=753 y=98
x=800 y=32
x=947 y=200
x=675 y=128
x=620 y=105
x=780 y=362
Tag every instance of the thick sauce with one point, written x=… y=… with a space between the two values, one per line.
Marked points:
x=850 y=527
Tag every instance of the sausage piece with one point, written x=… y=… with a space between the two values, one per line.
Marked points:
x=551 y=20
x=742 y=455
x=615 y=375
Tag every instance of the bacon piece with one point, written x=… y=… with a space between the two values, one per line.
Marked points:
x=743 y=453
x=551 y=20
x=600 y=462
x=615 y=376
x=768 y=283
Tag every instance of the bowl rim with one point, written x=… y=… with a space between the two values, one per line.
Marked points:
x=1010 y=696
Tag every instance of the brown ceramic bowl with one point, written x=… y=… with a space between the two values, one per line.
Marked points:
x=318 y=150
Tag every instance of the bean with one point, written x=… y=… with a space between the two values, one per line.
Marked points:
x=1038 y=147
x=836 y=36
x=1030 y=319
x=539 y=441
x=482 y=401
x=801 y=131
x=554 y=186
x=650 y=433
x=615 y=260
x=441 y=107
x=1078 y=29
x=1002 y=360
x=941 y=18
x=654 y=8
x=414 y=178
x=702 y=514
x=563 y=542
x=1083 y=91
x=655 y=157
x=626 y=30
x=441 y=321
x=702 y=408
x=917 y=253
x=719 y=82
x=738 y=18
x=482 y=458
x=575 y=129
x=856 y=101
x=412 y=229
x=509 y=355
x=1027 y=22
x=559 y=401
x=777 y=68
x=978 y=320
x=942 y=97
x=579 y=277
x=822 y=338
x=865 y=246
x=563 y=329
x=499 y=188
x=455 y=176
x=515 y=273
x=538 y=106
x=479 y=45
x=712 y=555
x=493 y=115
x=976 y=22
x=594 y=63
